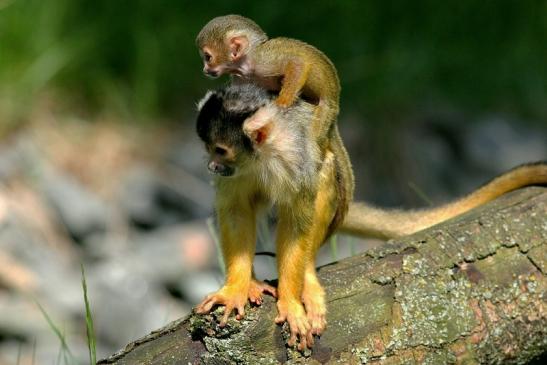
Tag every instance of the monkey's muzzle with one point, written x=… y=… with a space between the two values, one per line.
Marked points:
x=211 y=73
x=220 y=169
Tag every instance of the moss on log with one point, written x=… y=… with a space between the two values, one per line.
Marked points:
x=471 y=290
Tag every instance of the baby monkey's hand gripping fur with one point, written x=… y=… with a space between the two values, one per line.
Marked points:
x=238 y=46
x=264 y=155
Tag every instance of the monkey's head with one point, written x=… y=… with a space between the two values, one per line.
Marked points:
x=224 y=42
x=234 y=123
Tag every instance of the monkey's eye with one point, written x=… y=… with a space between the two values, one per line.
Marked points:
x=221 y=151
x=207 y=57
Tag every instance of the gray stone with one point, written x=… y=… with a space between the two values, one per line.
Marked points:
x=81 y=212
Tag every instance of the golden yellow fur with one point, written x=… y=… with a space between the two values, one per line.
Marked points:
x=286 y=168
x=269 y=157
x=366 y=220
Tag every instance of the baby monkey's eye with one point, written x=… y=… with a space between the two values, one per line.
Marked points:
x=207 y=57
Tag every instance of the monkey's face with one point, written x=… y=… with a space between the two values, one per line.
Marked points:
x=223 y=57
x=220 y=121
x=215 y=60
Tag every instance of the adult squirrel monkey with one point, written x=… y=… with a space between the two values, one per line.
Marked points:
x=264 y=155
x=236 y=45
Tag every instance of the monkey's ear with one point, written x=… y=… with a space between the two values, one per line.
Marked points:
x=259 y=126
x=258 y=136
x=238 y=46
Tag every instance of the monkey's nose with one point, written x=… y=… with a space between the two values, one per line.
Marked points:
x=216 y=168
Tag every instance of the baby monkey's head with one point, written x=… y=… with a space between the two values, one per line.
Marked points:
x=224 y=42
x=234 y=123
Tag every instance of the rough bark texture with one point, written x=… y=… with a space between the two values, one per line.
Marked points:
x=469 y=291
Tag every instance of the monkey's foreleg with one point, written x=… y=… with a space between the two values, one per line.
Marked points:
x=294 y=79
x=237 y=223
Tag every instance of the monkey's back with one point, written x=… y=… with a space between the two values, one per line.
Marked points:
x=271 y=58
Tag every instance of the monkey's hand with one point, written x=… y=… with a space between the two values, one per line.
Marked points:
x=293 y=313
x=234 y=297
x=231 y=296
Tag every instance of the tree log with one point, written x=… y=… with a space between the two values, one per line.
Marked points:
x=471 y=290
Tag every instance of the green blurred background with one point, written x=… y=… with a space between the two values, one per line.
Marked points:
x=138 y=58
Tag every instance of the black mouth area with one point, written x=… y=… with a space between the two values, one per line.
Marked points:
x=225 y=171
x=211 y=74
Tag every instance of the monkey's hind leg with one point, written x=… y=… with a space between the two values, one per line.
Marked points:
x=297 y=248
x=257 y=288
x=313 y=295
x=293 y=254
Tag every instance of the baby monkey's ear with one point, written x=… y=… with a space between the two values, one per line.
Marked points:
x=258 y=127
x=238 y=45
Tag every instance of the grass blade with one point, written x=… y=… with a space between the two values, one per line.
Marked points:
x=91 y=344
x=19 y=350
x=334 y=247
x=213 y=231
x=33 y=361
x=57 y=332
x=420 y=193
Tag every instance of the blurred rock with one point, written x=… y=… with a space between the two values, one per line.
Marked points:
x=151 y=202
x=195 y=285
x=126 y=304
x=18 y=156
x=497 y=143
x=168 y=253
x=189 y=155
x=81 y=212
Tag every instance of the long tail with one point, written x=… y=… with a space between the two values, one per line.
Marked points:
x=369 y=221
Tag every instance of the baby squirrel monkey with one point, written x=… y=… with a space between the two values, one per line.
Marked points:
x=261 y=155
x=236 y=45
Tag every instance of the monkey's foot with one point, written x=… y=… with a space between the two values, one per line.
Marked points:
x=256 y=289
x=316 y=310
x=231 y=297
x=293 y=313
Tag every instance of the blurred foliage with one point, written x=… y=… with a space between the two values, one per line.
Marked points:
x=393 y=57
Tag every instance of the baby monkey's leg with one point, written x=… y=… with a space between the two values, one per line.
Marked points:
x=324 y=116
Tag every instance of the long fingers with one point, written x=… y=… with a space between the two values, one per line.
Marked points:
x=206 y=305
x=227 y=311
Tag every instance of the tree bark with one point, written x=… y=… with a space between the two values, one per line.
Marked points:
x=471 y=290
